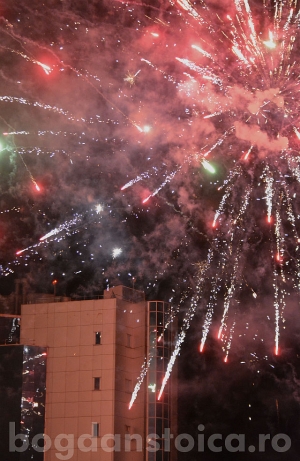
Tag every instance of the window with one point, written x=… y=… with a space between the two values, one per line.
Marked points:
x=98 y=337
x=129 y=340
x=97 y=384
x=95 y=430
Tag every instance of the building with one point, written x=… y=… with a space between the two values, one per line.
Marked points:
x=96 y=350
x=22 y=397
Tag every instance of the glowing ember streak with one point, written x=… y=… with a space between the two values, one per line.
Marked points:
x=186 y=321
x=139 y=128
x=269 y=191
x=163 y=184
x=147 y=362
x=270 y=43
x=297 y=132
x=196 y=47
x=47 y=69
x=66 y=226
x=140 y=177
x=208 y=166
x=137 y=387
x=186 y=5
x=248 y=153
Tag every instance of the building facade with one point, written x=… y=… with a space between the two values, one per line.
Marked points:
x=96 y=350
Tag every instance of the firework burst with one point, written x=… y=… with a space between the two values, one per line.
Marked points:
x=176 y=103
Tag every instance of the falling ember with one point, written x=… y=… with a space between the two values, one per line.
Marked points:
x=203 y=266
x=139 y=128
x=66 y=226
x=270 y=43
x=198 y=48
x=248 y=153
x=295 y=130
x=208 y=166
x=147 y=362
x=47 y=69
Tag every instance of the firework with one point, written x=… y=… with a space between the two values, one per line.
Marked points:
x=208 y=107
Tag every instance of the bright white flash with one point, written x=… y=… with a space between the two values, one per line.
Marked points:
x=270 y=43
x=116 y=252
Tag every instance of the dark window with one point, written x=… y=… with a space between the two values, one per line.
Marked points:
x=160 y=318
x=95 y=429
x=152 y=318
x=160 y=306
x=96 y=384
x=97 y=337
x=152 y=306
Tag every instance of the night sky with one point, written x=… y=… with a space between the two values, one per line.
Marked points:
x=157 y=143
